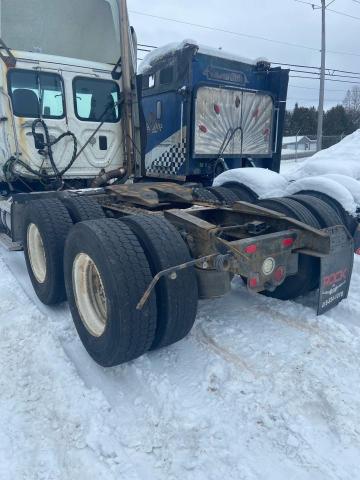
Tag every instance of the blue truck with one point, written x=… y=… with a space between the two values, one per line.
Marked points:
x=207 y=111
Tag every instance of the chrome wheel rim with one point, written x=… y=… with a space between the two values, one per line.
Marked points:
x=36 y=251
x=89 y=294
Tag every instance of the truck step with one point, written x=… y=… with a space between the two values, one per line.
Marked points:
x=6 y=242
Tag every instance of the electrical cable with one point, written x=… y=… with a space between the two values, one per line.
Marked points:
x=238 y=34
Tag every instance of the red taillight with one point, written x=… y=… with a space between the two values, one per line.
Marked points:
x=203 y=129
x=288 y=242
x=250 y=248
x=217 y=108
x=253 y=282
x=279 y=274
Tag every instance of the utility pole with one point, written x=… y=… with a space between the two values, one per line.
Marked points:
x=322 y=78
x=323 y=8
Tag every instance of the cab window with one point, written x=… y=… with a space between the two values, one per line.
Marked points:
x=96 y=100
x=166 y=76
x=36 y=94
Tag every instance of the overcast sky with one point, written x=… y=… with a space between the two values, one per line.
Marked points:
x=278 y=20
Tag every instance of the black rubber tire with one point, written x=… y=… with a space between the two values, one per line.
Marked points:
x=244 y=193
x=53 y=222
x=290 y=208
x=324 y=213
x=308 y=273
x=83 y=208
x=204 y=195
x=125 y=275
x=225 y=195
x=347 y=220
x=176 y=299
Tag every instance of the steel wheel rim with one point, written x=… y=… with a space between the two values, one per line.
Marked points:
x=36 y=251
x=89 y=294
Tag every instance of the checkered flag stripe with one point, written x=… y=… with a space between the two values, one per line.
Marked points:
x=170 y=162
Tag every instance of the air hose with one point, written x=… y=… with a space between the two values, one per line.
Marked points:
x=47 y=145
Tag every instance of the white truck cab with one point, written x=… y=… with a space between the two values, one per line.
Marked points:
x=71 y=84
x=68 y=95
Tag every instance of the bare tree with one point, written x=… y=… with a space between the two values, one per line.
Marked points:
x=351 y=104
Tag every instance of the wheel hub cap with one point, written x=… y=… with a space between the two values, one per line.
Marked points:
x=89 y=294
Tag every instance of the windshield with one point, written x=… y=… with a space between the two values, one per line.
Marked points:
x=232 y=122
x=82 y=29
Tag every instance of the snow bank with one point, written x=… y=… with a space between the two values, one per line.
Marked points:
x=171 y=48
x=342 y=159
x=325 y=185
x=350 y=183
x=265 y=183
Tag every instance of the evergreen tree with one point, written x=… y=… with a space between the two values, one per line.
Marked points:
x=338 y=122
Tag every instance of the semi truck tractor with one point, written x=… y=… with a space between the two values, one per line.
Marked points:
x=108 y=179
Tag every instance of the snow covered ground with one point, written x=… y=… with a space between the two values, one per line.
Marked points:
x=260 y=390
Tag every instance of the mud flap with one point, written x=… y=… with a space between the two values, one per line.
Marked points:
x=357 y=240
x=336 y=269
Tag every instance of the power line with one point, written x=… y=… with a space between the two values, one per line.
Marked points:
x=147 y=46
x=314 y=88
x=326 y=79
x=315 y=68
x=315 y=6
x=238 y=34
x=297 y=99
x=326 y=74
x=343 y=14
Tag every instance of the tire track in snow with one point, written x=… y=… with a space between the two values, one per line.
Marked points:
x=203 y=337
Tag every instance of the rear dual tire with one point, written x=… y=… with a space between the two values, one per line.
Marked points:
x=45 y=228
x=224 y=195
x=108 y=266
x=105 y=255
x=82 y=208
x=242 y=192
x=307 y=276
x=176 y=298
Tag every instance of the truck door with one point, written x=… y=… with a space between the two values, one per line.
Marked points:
x=95 y=103
x=37 y=94
x=165 y=114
